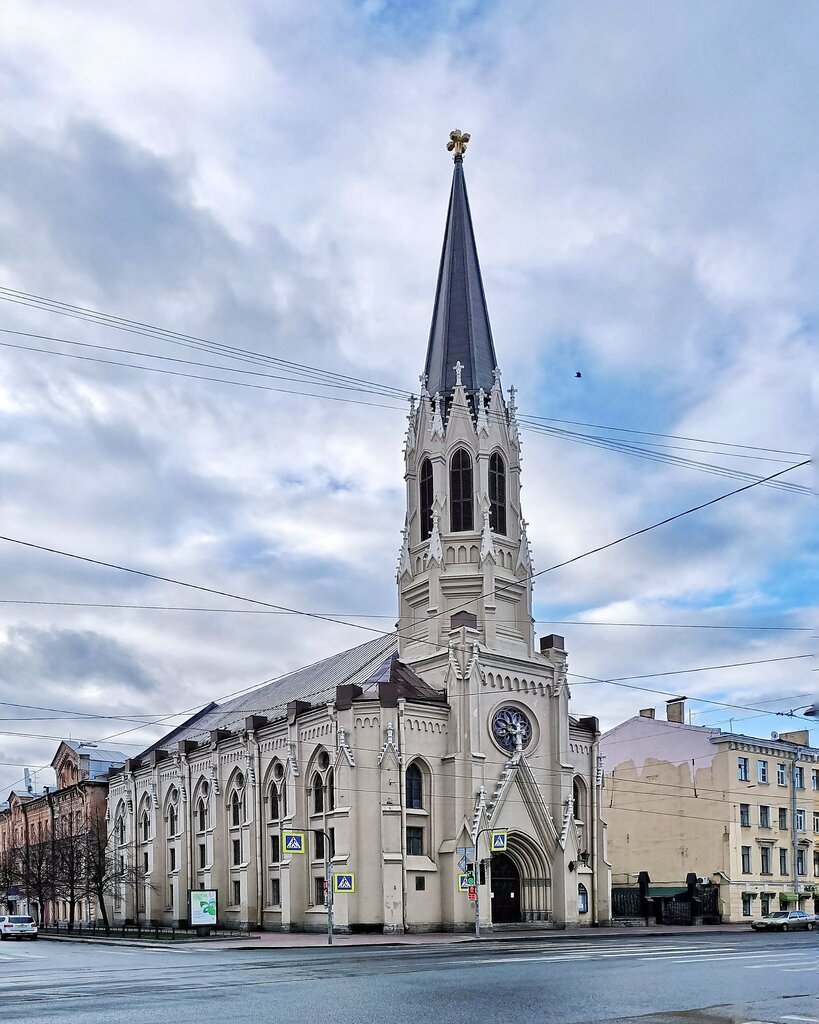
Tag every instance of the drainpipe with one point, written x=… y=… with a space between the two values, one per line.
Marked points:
x=595 y=859
x=795 y=835
x=401 y=803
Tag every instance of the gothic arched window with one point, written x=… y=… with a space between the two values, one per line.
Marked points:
x=146 y=826
x=331 y=790
x=582 y=899
x=425 y=497
x=415 y=788
x=497 y=494
x=318 y=794
x=274 y=803
x=235 y=809
x=202 y=814
x=172 y=820
x=460 y=492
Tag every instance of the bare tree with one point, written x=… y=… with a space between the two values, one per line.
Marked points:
x=107 y=872
x=69 y=853
x=36 y=873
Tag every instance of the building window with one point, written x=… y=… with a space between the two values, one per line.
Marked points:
x=745 y=814
x=814 y=780
x=146 y=827
x=746 y=904
x=321 y=891
x=746 y=860
x=816 y=864
x=235 y=809
x=765 y=904
x=170 y=895
x=816 y=821
x=420 y=883
x=765 y=860
x=237 y=851
x=497 y=494
x=172 y=820
x=275 y=849
x=801 y=866
x=275 y=892
x=582 y=899
x=783 y=817
x=742 y=769
x=800 y=821
x=201 y=815
x=331 y=790
x=762 y=771
x=172 y=858
x=236 y=892
x=274 y=803
x=425 y=498
x=415 y=841
x=783 y=861
x=781 y=774
x=799 y=776
x=203 y=855
x=764 y=816
x=415 y=788
x=145 y=863
x=318 y=794
x=319 y=845
x=460 y=492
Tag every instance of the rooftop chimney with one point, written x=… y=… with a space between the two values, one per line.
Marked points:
x=675 y=710
x=646 y=712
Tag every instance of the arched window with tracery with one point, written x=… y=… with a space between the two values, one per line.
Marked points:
x=425 y=498
x=201 y=815
x=414 y=788
x=460 y=492
x=235 y=808
x=275 y=813
x=497 y=494
x=145 y=825
x=318 y=794
x=173 y=820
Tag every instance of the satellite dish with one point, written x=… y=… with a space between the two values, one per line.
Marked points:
x=774 y=735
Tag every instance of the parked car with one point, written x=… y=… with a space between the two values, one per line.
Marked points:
x=784 y=921
x=17 y=927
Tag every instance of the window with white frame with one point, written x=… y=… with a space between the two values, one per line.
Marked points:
x=799 y=776
x=801 y=863
x=814 y=779
x=762 y=771
x=800 y=822
x=764 y=816
x=781 y=774
x=742 y=769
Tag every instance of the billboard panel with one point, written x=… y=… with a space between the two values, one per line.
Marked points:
x=203 y=907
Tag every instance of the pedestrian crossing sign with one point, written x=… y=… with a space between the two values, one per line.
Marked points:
x=293 y=842
x=463 y=882
x=499 y=840
x=343 y=883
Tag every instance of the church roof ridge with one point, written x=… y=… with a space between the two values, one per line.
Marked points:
x=460 y=331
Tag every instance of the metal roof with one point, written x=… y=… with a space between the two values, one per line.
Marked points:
x=362 y=666
x=460 y=320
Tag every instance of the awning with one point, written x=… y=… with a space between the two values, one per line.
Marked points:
x=789 y=897
x=666 y=890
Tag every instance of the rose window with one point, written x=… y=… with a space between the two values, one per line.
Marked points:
x=507 y=724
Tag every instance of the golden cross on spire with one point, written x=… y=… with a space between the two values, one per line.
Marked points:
x=457 y=142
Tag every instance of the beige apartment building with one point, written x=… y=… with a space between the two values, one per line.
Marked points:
x=739 y=811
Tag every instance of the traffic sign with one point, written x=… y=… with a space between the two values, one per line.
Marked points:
x=463 y=883
x=463 y=863
x=343 y=883
x=466 y=851
x=293 y=842
x=499 y=840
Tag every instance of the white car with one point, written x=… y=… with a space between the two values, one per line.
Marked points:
x=784 y=921
x=17 y=926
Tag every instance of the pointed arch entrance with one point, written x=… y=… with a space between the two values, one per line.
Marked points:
x=521 y=884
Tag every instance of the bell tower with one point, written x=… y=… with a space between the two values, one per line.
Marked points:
x=465 y=560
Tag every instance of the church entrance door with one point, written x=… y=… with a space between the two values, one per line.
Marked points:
x=505 y=890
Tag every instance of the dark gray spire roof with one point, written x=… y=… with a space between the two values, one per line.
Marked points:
x=460 y=320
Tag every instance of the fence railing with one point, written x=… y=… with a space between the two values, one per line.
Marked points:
x=92 y=929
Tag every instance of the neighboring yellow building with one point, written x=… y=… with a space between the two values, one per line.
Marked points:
x=739 y=811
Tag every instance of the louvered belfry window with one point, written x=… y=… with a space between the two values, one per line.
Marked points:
x=497 y=494
x=425 y=498
x=460 y=492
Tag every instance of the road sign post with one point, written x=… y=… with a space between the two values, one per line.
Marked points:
x=293 y=841
x=497 y=845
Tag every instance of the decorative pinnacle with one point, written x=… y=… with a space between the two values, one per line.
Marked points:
x=457 y=143
x=458 y=368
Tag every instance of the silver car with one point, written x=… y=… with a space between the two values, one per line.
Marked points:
x=18 y=926
x=784 y=921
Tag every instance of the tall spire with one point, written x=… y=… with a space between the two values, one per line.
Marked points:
x=460 y=321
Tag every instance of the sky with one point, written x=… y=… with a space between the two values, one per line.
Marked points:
x=644 y=183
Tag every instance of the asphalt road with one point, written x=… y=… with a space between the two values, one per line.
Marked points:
x=701 y=979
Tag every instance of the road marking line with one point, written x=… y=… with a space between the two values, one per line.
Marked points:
x=789 y=1016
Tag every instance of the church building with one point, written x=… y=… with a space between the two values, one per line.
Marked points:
x=400 y=758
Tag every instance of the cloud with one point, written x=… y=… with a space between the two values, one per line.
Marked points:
x=643 y=186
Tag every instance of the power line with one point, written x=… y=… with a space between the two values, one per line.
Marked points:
x=370 y=615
